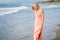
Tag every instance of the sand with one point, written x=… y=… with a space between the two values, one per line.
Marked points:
x=57 y=33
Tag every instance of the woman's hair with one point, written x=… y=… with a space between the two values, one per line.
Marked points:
x=36 y=5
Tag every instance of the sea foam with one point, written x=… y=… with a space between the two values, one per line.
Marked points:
x=4 y=11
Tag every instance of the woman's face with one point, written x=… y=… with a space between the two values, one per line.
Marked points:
x=35 y=7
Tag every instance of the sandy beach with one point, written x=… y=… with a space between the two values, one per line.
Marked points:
x=57 y=33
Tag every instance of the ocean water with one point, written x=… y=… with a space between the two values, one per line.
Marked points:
x=17 y=22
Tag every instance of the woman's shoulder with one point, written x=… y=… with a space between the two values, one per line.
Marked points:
x=41 y=11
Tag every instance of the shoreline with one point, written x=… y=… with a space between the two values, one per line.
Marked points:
x=47 y=2
x=57 y=33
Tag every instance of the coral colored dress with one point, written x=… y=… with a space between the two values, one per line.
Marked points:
x=38 y=26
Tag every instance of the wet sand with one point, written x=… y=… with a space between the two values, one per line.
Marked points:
x=57 y=33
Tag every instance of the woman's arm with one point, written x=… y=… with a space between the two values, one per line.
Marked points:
x=42 y=15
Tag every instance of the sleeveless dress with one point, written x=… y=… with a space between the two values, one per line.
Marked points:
x=38 y=26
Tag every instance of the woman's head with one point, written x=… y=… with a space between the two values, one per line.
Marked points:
x=35 y=6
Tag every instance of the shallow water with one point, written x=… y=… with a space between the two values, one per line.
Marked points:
x=51 y=20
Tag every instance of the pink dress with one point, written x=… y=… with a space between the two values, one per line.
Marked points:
x=38 y=26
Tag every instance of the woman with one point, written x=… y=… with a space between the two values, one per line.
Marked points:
x=39 y=19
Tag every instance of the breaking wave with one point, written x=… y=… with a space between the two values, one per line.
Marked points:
x=4 y=11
